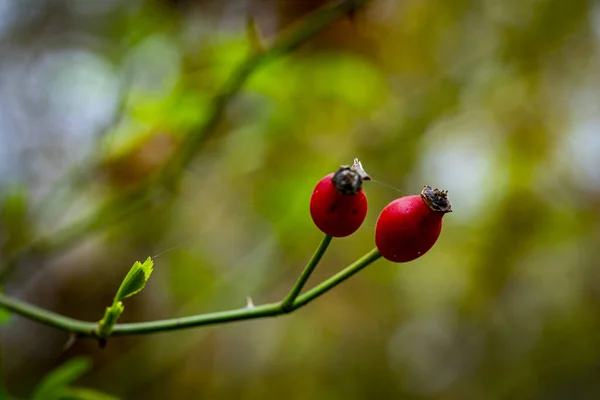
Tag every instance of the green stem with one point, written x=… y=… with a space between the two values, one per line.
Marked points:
x=308 y=270
x=239 y=314
x=88 y=329
x=338 y=278
x=47 y=317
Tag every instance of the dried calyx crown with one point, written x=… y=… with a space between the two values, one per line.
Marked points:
x=348 y=180
x=436 y=199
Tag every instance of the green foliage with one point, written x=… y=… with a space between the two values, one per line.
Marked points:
x=56 y=385
x=4 y=314
x=52 y=386
x=13 y=218
x=111 y=316
x=134 y=282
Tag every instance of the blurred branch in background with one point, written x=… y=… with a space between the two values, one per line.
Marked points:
x=132 y=199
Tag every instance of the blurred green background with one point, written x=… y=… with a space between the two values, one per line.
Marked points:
x=496 y=101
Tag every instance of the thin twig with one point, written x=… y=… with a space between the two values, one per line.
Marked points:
x=88 y=329
x=288 y=301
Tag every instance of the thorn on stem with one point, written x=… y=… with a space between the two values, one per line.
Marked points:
x=70 y=342
x=249 y=302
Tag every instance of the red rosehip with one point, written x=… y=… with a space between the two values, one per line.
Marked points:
x=409 y=226
x=338 y=205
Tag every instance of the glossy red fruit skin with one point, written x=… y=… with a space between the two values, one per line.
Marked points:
x=337 y=214
x=407 y=228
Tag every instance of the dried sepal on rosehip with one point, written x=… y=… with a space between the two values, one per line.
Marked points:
x=409 y=226
x=338 y=205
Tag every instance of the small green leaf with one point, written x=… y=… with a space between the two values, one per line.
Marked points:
x=111 y=316
x=53 y=384
x=13 y=214
x=135 y=280
x=4 y=314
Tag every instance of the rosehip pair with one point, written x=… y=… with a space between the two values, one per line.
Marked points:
x=406 y=228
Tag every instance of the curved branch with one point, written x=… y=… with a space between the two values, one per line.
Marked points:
x=288 y=301
x=47 y=317
x=88 y=329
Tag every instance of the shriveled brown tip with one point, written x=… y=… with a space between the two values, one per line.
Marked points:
x=436 y=199
x=348 y=180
